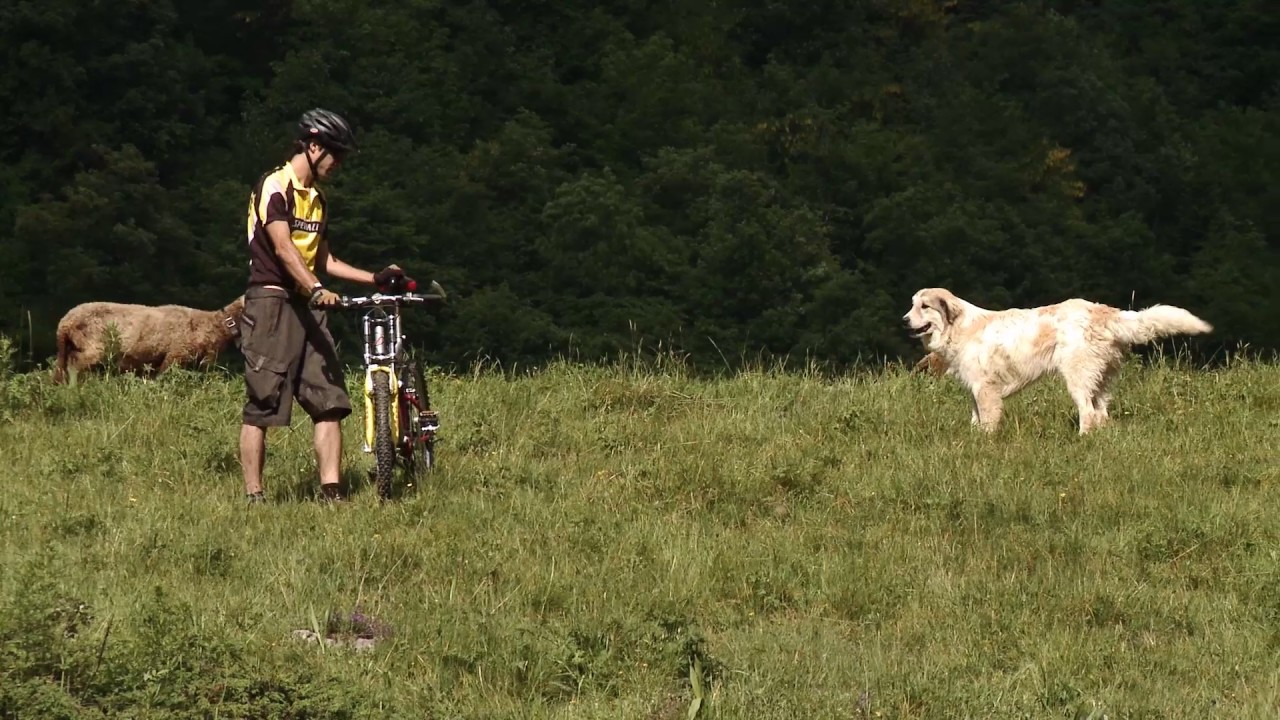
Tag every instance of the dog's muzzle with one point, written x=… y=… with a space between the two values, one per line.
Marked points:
x=919 y=332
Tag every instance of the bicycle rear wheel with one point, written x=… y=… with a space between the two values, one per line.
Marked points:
x=383 y=440
x=419 y=421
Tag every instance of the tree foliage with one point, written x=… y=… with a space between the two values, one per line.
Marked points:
x=726 y=181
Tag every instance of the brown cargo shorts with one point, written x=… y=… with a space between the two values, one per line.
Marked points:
x=288 y=354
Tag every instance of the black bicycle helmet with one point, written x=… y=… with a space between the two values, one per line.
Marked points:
x=328 y=129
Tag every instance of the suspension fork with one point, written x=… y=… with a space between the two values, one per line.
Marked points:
x=369 y=420
x=381 y=348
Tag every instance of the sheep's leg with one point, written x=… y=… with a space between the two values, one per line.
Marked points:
x=83 y=359
x=179 y=358
x=145 y=369
x=65 y=347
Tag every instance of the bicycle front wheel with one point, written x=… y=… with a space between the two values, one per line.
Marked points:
x=384 y=452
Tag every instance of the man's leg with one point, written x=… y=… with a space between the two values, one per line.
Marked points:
x=329 y=453
x=322 y=393
x=253 y=453
x=269 y=333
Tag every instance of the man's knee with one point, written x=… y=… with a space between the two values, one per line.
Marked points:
x=333 y=414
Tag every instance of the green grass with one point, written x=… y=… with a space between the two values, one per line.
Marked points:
x=812 y=547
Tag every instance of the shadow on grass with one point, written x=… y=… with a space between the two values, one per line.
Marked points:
x=357 y=480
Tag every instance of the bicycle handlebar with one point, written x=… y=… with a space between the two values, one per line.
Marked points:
x=387 y=300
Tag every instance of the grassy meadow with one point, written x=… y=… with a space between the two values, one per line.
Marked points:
x=640 y=542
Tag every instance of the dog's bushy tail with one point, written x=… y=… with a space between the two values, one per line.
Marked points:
x=1157 y=321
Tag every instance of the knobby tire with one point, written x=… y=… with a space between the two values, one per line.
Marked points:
x=419 y=455
x=424 y=453
x=384 y=441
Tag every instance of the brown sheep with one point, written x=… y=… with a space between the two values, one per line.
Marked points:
x=150 y=338
x=933 y=364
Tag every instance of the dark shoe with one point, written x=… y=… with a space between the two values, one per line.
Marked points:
x=332 y=493
x=255 y=498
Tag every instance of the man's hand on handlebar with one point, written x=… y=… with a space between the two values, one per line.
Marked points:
x=392 y=279
x=322 y=298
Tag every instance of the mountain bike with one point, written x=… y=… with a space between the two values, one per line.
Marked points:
x=399 y=425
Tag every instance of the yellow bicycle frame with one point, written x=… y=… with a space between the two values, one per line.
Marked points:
x=370 y=423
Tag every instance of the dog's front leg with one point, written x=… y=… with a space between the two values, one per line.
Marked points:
x=988 y=406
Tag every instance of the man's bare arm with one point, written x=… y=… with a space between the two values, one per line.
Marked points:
x=341 y=270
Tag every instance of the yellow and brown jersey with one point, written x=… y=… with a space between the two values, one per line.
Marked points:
x=279 y=195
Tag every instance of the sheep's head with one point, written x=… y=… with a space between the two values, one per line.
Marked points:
x=235 y=309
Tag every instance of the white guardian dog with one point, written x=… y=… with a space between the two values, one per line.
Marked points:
x=996 y=353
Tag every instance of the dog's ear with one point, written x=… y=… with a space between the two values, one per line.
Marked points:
x=945 y=303
x=950 y=309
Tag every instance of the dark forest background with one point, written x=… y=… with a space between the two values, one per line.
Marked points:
x=725 y=180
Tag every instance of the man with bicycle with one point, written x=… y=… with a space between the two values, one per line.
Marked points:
x=288 y=350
